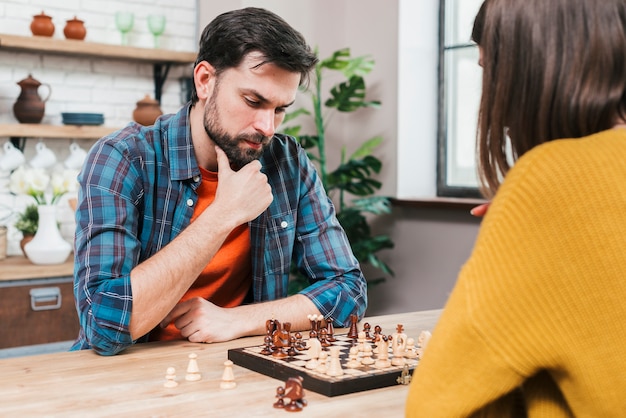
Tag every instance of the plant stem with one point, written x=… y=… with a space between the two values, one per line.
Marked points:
x=319 y=123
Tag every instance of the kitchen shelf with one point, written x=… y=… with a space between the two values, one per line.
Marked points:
x=161 y=59
x=42 y=44
x=36 y=130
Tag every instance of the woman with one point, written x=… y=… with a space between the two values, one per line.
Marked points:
x=535 y=325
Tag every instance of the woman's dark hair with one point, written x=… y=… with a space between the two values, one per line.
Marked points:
x=551 y=69
x=232 y=35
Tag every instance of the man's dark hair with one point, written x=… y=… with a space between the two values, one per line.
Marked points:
x=232 y=35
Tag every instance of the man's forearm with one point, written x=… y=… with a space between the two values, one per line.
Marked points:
x=159 y=282
x=293 y=309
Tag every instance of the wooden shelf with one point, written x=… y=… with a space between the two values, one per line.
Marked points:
x=42 y=44
x=35 y=130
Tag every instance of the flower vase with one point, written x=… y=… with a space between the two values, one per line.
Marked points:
x=48 y=246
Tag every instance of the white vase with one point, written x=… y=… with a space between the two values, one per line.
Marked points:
x=48 y=246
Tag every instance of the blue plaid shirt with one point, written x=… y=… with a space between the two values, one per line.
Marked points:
x=138 y=192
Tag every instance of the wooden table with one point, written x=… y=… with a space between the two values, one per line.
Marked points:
x=82 y=383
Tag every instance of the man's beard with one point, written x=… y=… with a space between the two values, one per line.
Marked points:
x=231 y=145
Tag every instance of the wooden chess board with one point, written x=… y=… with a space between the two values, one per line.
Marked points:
x=353 y=380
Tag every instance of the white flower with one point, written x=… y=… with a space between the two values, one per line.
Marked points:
x=35 y=182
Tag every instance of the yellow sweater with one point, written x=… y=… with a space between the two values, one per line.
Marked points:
x=541 y=302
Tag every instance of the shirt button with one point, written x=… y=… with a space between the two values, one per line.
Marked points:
x=189 y=202
x=283 y=224
x=196 y=179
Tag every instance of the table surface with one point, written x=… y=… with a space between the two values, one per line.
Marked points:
x=82 y=383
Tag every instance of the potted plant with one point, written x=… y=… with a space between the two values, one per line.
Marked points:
x=26 y=223
x=355 y=173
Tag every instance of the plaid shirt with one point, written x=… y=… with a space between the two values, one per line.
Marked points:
x=138 y=191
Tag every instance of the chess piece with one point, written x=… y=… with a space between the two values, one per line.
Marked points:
x=193 y=372
x=314 y=345
x=267 y=348
x=398 y=346
x=353 y=332
x=170 y=378
x=367 y=355
x=280 y=340
x=280 y=394
x=353 y=363
x=382 y=362
x=334 y=363
x=295 y=393
x=228 y=377
x=422 y=342
x=405 y=376
x=361 y=341
x=322 y=367
x=366 y=329
x=330 y=330
x=323 y=337
x=409 y=352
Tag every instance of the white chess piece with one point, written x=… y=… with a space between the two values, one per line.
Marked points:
x=228 y=377
x=170 y=378
x=193 y=372
x=422 y=342
x=334 y=366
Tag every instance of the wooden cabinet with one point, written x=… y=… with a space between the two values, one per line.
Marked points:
x=36 y=303
x=160 y=59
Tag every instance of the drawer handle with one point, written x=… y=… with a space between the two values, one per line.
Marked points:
x=41 y=298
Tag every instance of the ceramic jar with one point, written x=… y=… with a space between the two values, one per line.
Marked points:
x=42 y=25
x=147 y=111
x=30 y=107
x=75 y=29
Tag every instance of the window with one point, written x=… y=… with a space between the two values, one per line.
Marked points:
x=460 y=79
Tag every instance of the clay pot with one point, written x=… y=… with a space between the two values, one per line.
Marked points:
x=147 y=111
x=75 y=29
x=27 y=238
x=42 y=25
x=30 y=107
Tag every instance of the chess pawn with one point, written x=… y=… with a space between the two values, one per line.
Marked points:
x=322 y=367
x=280 y=394
x=170 y=378
x=193 y=372
x=410 y=349
x=353 y=363
x=422 y=342
x=367 y=355
x=361 y=341
x=228 y=377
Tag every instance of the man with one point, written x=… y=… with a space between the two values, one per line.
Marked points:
x=187 y=229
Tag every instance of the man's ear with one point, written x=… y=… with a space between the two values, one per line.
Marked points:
x=204 y=79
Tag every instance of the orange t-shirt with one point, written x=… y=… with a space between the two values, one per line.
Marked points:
x=226 y=280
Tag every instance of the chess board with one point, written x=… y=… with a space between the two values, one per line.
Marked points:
x=364 y=377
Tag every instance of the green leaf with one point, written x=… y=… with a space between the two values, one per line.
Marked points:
x=298 y=112
x=367 y=148
x=292 y=131
x=376 y=205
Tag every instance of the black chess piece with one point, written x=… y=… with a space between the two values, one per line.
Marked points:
x=354 y=331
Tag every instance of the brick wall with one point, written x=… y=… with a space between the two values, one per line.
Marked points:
x=111 y=87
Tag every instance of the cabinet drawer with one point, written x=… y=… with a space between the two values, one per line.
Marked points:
x=37 y=312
